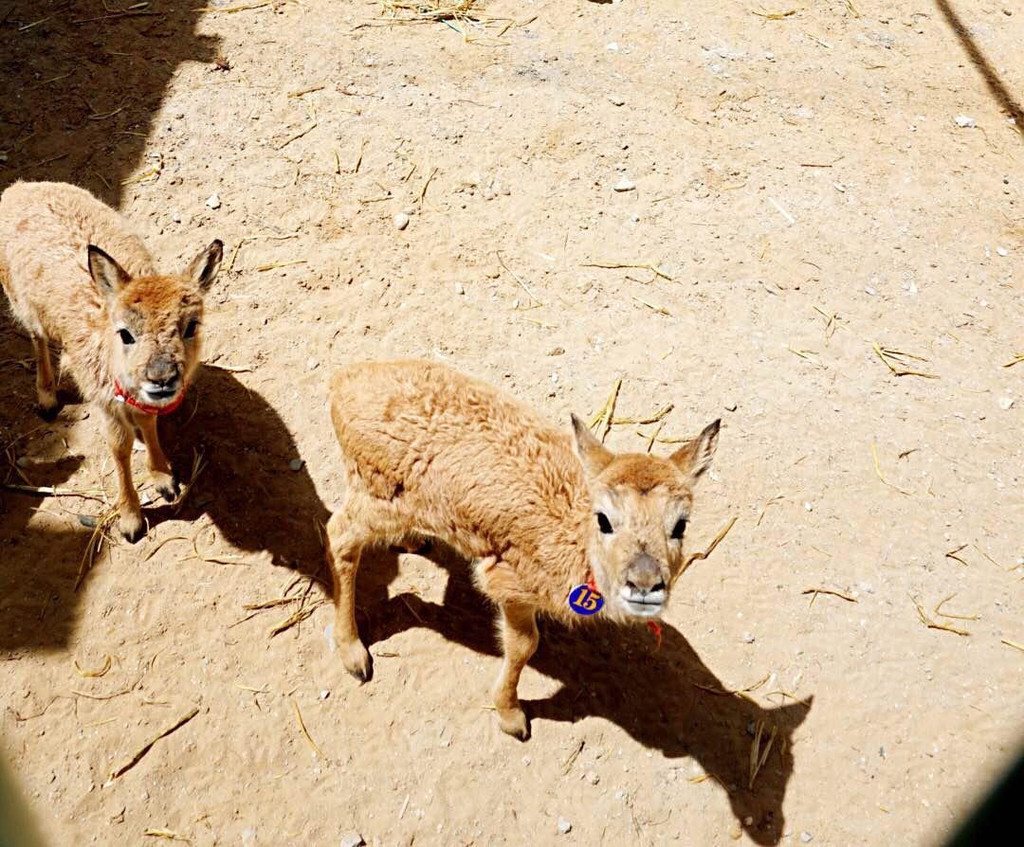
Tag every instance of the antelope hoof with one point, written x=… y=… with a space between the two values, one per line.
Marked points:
x=357 y=661
x=132 y=526
x=167 y=485
x=514 y=722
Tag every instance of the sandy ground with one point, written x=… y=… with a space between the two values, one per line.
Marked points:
x=804 y=190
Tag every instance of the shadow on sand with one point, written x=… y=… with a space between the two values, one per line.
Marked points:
x=660 y=697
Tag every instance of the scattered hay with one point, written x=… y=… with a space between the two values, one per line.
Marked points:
x=807 y=355
x=952 y=554
x=773 y=16
x=166 y=833
x=878 y=472
x=931 y=624
x=134 y=760
x=573 y=756
x=733 y=692
x=644 y=266
x=602 y=420
x=1013 y=644
x=938 y=611
x=759 y=755
x=659 y=309
x=703 y=554
x=92 y=548
x=537 y=301
x=1016 y=360
x=898 y=362
x=814 y=592
x=301 y=615
x=305 y=732
x=93 y=674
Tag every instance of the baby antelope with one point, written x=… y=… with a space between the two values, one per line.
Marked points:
x=78 y=276
x=428 y=452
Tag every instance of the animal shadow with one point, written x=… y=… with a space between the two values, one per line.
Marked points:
x=666 y=698
x=247 y=484
x=81 y=83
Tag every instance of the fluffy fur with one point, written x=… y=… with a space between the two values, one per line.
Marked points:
x=428 y=452
x=78 y=276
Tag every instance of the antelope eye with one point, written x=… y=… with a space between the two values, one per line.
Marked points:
x=126 y=337
x=190 y=330
x=604 y=524
x=679 y=529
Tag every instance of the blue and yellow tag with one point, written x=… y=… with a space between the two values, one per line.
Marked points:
x=584 y=600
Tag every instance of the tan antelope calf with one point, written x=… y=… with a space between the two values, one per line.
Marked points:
x=429 y=452
x=77 y=275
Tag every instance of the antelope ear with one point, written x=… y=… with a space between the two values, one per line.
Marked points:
x=694 y=457
x=108 y=275
x=593 y=454
x=204 y=267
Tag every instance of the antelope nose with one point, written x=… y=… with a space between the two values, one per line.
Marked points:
x=644 y=575
x=162 y=371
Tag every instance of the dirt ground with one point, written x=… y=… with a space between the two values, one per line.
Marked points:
x=793 y=189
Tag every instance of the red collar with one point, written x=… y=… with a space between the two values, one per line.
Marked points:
x=124 y=397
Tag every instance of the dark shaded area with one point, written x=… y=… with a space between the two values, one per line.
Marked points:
x=615 y=673
x=246 y=487
x=17 y=823
x=995 y=84
x=998 y=815
x=81 y=82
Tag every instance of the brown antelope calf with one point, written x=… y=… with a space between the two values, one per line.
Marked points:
x=77 y=275
x=428 y=452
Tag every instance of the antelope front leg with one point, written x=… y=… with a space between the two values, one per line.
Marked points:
x=519 y=638
x=46 y=388
x=131 y=524
x=160 y=472
x=344 y=546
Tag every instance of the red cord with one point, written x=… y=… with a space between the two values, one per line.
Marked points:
x=145 y=408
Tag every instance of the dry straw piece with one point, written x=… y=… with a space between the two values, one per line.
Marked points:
x=931 y=624
x=131 y=763
x=897 y=361
x=305 y=732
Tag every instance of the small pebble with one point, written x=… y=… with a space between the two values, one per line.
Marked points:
x=748 y=637
x=635 y=218
x=731 y=406
x=1005 y=403
x=617 y=101
x=808 y=507
x=770 y=56
x=213 y=201
x=963 y=122
x=592 y=777
x=624 y=185
x=556 y=351
x=564 y=826
x=1002 y=251
x=401 y=221
x=805 y=837
x=296 y=464
x=460 y=289
x=176 y=217
x=325 y=694
x=353 y=839
x=312 y=364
